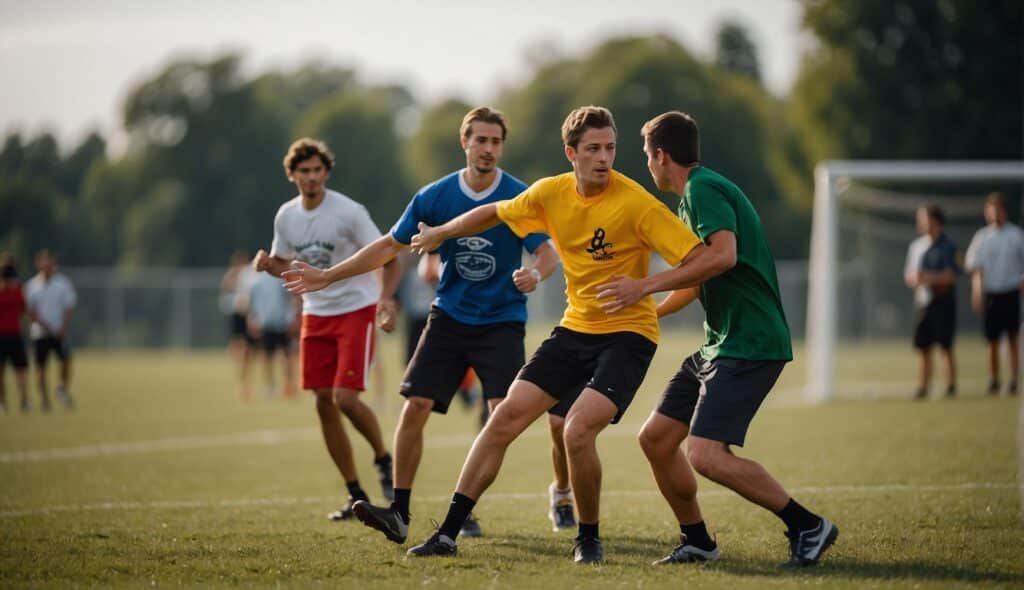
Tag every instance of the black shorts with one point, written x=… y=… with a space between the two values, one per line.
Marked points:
x=12 y=348
x=1002 y=314
x=271 y=341
x=719 y=398
x=936 y=323
x=43 y=347
x=613 y=364
x=447 y=348
x=238 y=327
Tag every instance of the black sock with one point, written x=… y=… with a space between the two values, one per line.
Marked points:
x=588 y=531
x=384 y=459
x=401 y=503
x=798 y=518
x=355 y=491
x=458 y=510
x=697 y=535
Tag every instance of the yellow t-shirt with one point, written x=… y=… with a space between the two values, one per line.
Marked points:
x=613 y=233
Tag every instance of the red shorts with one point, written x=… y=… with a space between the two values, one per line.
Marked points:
x=336 y=351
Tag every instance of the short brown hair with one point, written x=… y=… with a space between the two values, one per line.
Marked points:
x=935 y=213
x=996 y=198
x=676 y=134
x=304 y=149
x=583 y=118
x=484 y=115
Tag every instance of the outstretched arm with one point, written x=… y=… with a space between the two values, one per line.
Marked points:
x=469 y=223
x=702 y=263
x=303 y=278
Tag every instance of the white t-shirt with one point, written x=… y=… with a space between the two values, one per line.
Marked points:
x=922 y=294
x=999 y=254
x=49 y=299
x=332 y=232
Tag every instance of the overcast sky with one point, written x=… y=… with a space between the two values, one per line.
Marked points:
x=66 y=65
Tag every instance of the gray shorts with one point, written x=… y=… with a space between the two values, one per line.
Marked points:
x=719 y=398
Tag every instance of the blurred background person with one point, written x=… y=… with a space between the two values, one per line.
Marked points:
x=12 y=345
x=51 y=302
x=995 y=260
x=234 y=301
x=931 y=271
x=272 y=320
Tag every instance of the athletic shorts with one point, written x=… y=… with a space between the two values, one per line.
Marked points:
x=719 y=398
x=44 y=346
x=1002 y=314
x=613 y=364
x=12 y=348
x=448 y=347
x=272 y=341
x=238 y=327
x=336 y=351
x=936 y=324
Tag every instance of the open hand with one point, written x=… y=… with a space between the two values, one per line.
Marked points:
x=619 y=293
x=303 y=278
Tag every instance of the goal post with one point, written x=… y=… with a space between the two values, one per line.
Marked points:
x=823 y=272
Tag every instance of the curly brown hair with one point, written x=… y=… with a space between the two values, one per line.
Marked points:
x=304 y=149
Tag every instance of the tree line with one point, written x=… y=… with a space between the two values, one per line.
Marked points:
x=202 y=174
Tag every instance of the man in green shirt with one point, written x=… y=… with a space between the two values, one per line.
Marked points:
x=716 y=392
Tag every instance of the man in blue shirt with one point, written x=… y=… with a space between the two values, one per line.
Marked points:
x=477 y=320
x=931 y=271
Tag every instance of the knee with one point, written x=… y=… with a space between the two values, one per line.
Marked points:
x=652 y=443
x=345 y=399
x=703 y=458
x=325 y=404
x=578 y=437
x=556 y=424
x=416 y=410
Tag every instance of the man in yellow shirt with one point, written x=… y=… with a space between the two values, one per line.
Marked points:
x=602 y=223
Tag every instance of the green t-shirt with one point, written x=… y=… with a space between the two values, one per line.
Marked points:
x=744 y=312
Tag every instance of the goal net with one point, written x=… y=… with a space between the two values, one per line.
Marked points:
x=859 y=311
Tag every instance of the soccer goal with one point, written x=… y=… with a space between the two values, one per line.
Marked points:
x=863 y=220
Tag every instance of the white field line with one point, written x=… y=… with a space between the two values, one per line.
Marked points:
x=266 y=438
x=499 y=497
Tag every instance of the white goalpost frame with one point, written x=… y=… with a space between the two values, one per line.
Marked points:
x=823 y=272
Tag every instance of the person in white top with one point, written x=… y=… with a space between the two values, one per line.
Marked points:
x=272 y=322
x=322 y=227
x=51 y=300
x=995 y=260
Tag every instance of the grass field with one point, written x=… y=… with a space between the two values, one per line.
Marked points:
x=161 y=477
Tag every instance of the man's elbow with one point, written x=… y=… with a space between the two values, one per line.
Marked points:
x=725 y=262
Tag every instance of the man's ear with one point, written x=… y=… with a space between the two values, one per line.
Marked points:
x=570 y=153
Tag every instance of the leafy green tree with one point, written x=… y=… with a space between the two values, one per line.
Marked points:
x=434 y=150
x=735 y=51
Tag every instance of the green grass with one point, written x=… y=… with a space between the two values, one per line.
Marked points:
x=925 y=493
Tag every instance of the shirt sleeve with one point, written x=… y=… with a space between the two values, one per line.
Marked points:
x=911 y=265
x=533 y=241
x=406 y=226
x=710 y=211
x=666 y=234
x=525 y=214
x=364 y=231
x=280 y=247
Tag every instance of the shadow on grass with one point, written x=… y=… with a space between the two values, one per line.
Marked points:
x=640 y=551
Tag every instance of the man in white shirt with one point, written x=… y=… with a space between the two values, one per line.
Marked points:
x=51 y=300
x=322 y=227
x=931 y=271
x=995 y=260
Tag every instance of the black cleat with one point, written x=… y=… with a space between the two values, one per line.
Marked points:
x=920 y=393
x=471 y=527
x=1011 y=388
x=343 y=513
x=951 y=391
x=387 y=485
x=993 y=387
x=385 y=520
x=437 y=545
x=806 y=547
x=686 y=553
x=587 y=550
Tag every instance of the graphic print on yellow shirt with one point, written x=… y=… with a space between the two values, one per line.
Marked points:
x=613 y=233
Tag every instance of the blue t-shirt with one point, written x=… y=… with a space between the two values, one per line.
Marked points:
x=476 y=274
x=940 y=256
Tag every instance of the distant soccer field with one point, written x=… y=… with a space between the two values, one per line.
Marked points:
x=162 y=477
